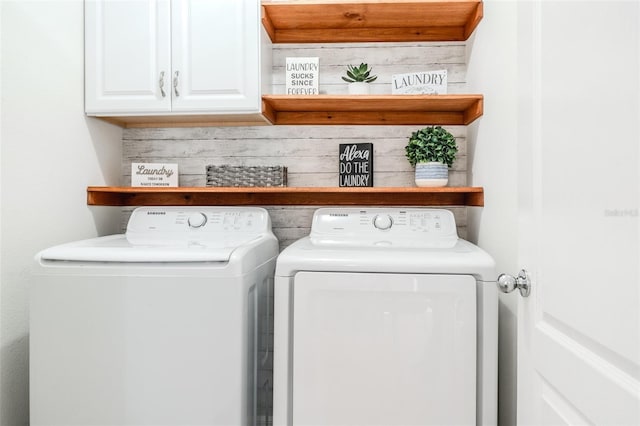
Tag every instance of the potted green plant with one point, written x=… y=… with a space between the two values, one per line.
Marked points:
x=431 y=151
x=359 y=78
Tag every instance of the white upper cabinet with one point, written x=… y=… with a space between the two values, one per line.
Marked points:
x=215 y=55
x=156 y=57
x=127 y=48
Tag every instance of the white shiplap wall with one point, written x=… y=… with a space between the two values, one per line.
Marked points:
x=311 y=152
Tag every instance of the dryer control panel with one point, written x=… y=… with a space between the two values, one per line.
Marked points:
x=384 y=226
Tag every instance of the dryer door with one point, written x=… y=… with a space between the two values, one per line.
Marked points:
x=384 y=349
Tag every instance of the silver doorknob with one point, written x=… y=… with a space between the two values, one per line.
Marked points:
x=507 y=283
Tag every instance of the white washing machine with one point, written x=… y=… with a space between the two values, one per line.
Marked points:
x=385 y=317
x=159 y=326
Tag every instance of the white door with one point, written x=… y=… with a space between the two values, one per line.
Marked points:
x=579 y=330
x=384 y=349
x=216 y=62
x=127 y=56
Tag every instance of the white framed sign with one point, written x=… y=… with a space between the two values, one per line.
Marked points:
x=154 y=174
x=420 y=83
x=302 y=76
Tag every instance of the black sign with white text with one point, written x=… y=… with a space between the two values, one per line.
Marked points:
x=356 y=164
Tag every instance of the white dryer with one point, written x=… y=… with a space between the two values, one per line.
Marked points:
x=385 y=317
x=159 y=326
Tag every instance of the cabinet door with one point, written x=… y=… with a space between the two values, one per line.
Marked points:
x=215 y=55
x=127 y=50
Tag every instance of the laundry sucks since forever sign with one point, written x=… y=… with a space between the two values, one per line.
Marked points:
x=302 y=76
x=356 y=164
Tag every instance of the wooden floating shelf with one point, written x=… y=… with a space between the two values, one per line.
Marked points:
x=373 y=109
x=344 y=21
x=331 y=110
x=309 y=196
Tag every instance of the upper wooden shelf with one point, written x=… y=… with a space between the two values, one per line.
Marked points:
x=332 y=109
x=373 y=109
x=378 y=196
x=344 y=21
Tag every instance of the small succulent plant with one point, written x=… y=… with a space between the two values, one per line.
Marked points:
x=432 y=143
x=361 y=73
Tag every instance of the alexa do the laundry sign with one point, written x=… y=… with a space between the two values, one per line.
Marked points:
x=154 y=174
x=356 y=164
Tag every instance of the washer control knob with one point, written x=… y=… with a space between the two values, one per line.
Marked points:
x=197 y=220
x=382 y=222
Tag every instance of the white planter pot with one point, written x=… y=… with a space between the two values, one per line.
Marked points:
x=432 y=174
x=359 y=88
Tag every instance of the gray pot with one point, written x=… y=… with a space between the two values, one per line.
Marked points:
x=433 y=174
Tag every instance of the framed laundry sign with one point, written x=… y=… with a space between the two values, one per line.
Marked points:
x=154 y=174
x=356 y=164
x=420 y=83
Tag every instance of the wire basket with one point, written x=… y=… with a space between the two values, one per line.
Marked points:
x=227 y=175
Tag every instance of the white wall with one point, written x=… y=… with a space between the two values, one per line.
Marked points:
x=492 y=71
x=49 y=154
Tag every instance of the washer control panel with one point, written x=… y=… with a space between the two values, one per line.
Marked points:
x=201 y=223
x=391 y=226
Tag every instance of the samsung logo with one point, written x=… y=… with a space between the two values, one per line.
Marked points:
x=339 y=214
x=157 y=213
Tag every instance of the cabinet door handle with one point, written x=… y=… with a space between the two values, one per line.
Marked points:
x=175 y=83
x=161 y=83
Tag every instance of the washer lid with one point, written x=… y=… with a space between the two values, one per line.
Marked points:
x=172 y=234
x=116 y=248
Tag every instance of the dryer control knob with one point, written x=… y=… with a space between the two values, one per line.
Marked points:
x=382 y=222
x=197 y=220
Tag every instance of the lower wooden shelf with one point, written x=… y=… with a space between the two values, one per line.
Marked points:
x=310 y=196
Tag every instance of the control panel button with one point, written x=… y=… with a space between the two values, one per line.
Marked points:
x=197 y=220
x=382 y=222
